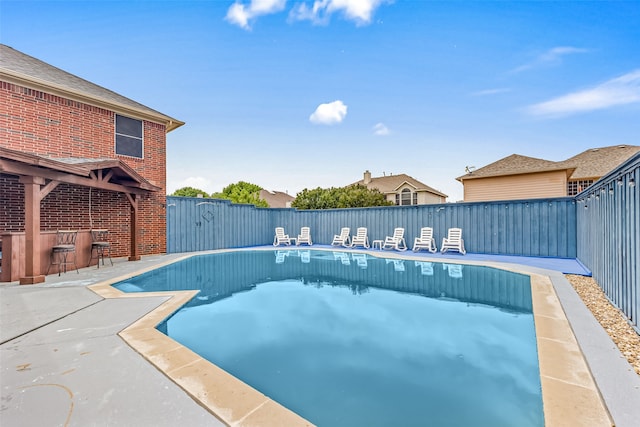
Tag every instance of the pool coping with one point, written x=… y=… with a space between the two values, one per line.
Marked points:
x=569 y=392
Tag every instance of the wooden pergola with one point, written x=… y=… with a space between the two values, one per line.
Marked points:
x=40 y=175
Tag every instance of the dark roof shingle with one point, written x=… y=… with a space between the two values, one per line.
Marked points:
x=15 y=64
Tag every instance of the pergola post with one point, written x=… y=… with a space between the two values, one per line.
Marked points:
x=135 y=255
x=32 y=198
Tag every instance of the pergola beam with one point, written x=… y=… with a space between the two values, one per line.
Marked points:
x=14 y=168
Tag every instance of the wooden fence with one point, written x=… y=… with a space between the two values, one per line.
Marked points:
x=541 y=227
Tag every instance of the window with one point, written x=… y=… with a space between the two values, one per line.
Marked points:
x=406 y=197
x=128 y=136
x=574 y=187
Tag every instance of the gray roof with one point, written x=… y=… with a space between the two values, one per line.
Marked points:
x=597 y=162
x=17 y=65
x=276 y=199
x=390 y=184
x=592 y=163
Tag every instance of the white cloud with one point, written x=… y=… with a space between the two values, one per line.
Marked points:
x=329 y=114
x=359 y=11
x=380 y=129
x=551 y=57
x=488 y=92
x=619 y=91
x=241 y=14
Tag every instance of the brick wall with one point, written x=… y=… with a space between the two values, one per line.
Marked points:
x=37 y=122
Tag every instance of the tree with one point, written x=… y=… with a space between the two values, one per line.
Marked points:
x=189 y=192
x=242 y=192
x=354 y=196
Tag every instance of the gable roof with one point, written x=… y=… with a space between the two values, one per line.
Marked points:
x=391 y=183
x=276 y=199
x=24 y=70
x=110 y=174
x=592 y=163
x=514 y=164
x=597 y=162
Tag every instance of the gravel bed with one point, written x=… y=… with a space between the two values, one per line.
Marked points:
x=611 y=319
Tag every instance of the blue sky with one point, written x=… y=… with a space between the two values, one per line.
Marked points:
x=303 y=94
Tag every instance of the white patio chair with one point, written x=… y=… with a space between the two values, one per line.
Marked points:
x=453 y=241
x=343 y=238
x=304 y=236
x=281 y=238
x=361 y=238
x=425 y=241
x=396 y=241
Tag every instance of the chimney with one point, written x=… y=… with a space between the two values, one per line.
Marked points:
x=367 y=177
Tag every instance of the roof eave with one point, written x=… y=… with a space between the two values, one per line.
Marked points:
x=45 y=86
x=497 y=175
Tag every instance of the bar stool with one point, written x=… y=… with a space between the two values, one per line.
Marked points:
x=100 y=245
x=65 y=245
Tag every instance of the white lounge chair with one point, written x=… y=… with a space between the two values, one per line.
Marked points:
x=425 y=241
x=453 y=241
x=343 y=238
x=360 y=239
x=304 y=236
x=281 y=238
x=396 y=241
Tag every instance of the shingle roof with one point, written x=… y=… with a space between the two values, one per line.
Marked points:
x=514 y=164
x=17 y=67
x=597 y=162
x=276 y=199
x=390 y=184
x=592 y=163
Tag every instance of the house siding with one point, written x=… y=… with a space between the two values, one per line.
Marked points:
x=37 y=122
x=514 y=187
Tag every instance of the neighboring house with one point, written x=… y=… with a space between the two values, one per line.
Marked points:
x=276 y=199
x=521 y=177
x=403 y=190
x=74 y=155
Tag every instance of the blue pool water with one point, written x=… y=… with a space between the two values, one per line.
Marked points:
x=353 y=340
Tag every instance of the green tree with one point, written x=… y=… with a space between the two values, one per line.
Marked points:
x=242 y=192
x=354 y=196
x=189 y=192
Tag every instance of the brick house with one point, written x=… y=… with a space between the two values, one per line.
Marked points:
x=521 y=177
x=402 y=189
x=74 y=155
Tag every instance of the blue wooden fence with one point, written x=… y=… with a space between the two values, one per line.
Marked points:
x=608 y=236
x=542 y=227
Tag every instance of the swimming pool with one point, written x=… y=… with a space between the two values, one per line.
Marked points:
x=372 y=341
